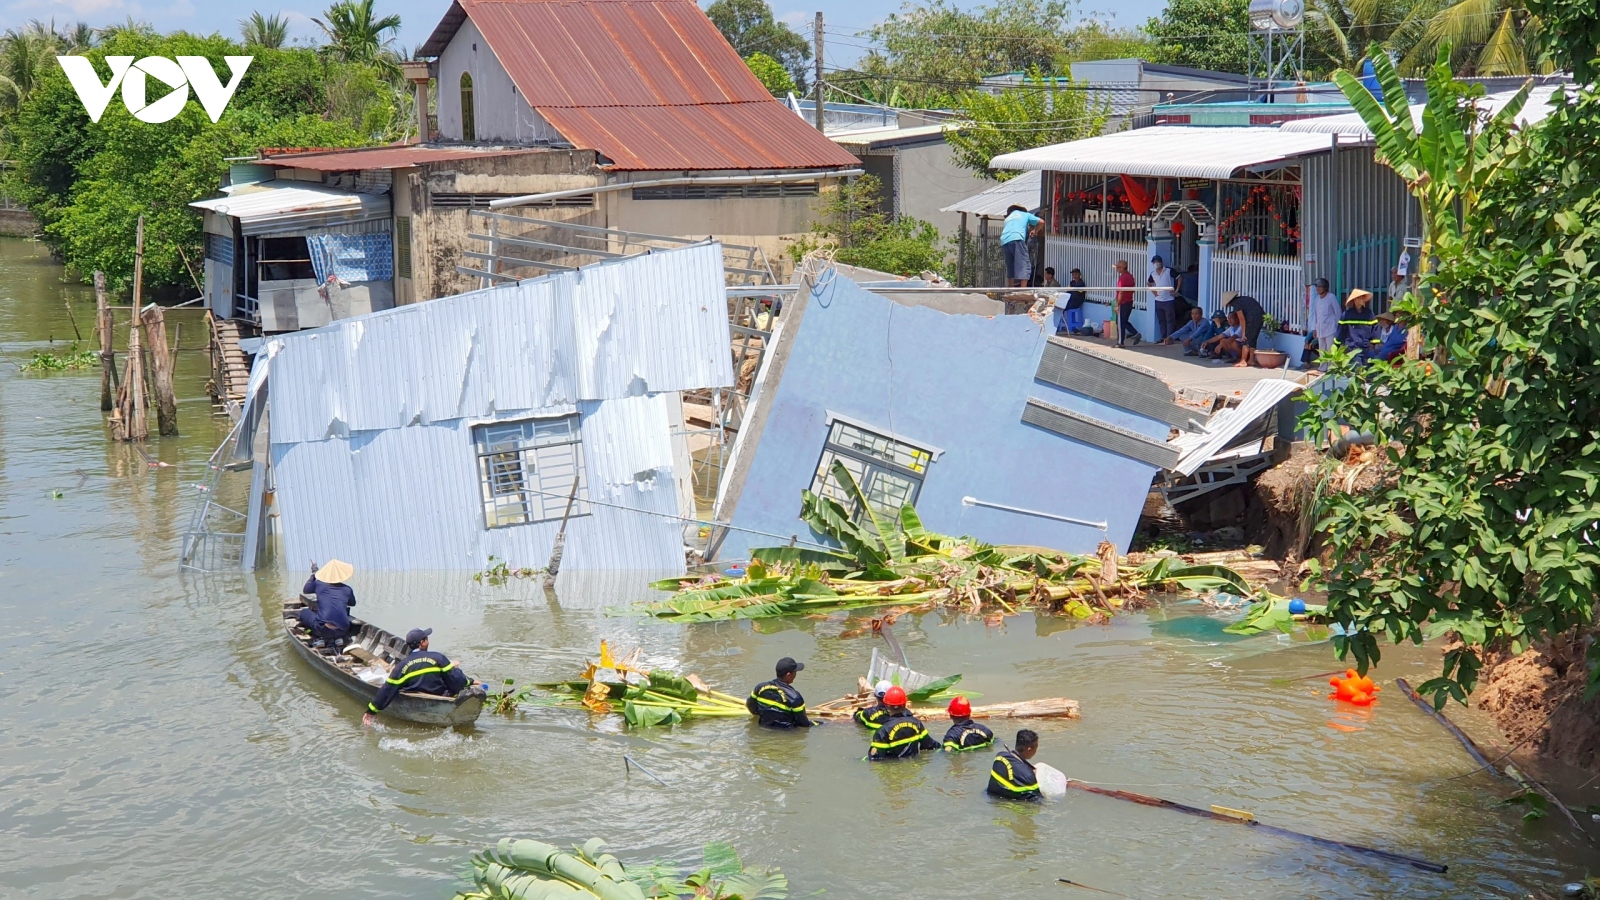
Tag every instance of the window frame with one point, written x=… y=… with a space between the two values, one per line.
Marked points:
x=872 y=465
x=469 y=111
x=518 y=461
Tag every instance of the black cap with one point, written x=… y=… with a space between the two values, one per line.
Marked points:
x=417 y=635
x=787 y=665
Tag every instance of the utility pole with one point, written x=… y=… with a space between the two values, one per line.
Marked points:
x=817 y=35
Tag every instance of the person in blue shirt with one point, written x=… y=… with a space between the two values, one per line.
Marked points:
x=329 y=620
x=1019 y=226
x=1394 y=338
x=1195 y=332
x=423 y=671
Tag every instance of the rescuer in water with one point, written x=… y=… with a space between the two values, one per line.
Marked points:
x=776 y=703
x=1012 y=777
x=902 y=735
x=965 y=734
x=872 y=717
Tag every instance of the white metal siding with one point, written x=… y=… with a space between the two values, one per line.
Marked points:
x=499 y=111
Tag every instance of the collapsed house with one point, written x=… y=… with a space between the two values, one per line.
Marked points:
x=439 y=435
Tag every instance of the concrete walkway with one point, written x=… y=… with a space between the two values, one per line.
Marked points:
x=1190 y=372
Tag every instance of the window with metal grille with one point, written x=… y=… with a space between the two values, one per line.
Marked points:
x=528 y=468
x=889 y=471
x=441 y=200
x=219 y=248
x=402 y=246
x=725 y=191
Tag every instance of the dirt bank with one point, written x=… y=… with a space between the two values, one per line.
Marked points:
x=1536 y=699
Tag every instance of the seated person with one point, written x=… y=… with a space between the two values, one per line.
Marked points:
x=329 y=620
x=1195 y=332
x=1392 y=341
x=1227 y=344
x=423 y=671
x=1358 y=327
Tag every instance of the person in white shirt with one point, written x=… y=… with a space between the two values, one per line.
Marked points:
x=1325 y=312
x=1166 y=308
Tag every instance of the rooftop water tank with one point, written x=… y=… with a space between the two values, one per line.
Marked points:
x=1276 y=15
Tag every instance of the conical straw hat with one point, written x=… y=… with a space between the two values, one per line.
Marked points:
x=335 y=571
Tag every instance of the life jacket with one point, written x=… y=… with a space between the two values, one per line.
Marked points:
x=873 y=716
x=901 y=736
x=777 y=705
x=1012 y=778
x=968 y=735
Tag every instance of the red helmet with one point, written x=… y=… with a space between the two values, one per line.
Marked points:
x=960 y=707
x=895 y=696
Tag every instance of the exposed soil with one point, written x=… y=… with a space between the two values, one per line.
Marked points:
x=1537 y=698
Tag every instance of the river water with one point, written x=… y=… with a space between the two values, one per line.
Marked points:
x=161 y=740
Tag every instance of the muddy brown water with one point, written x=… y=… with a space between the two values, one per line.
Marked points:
x=161 y=740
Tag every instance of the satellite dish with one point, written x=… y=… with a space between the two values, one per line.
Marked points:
x=1276 y=15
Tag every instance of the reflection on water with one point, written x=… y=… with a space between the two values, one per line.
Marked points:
x=161 y=739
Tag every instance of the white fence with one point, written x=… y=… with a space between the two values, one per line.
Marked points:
x=1279 y=282
x=1097 y=259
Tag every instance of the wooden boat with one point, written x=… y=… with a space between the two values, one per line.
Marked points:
x=369 y=650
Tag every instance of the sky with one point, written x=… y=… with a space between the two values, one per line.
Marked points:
x=418 y=17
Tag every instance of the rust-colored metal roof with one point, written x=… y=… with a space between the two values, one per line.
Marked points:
x=651 y=84
x=391 y=157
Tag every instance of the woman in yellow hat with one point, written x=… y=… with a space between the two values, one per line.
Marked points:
x=330 y=620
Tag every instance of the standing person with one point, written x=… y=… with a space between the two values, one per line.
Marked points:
x=423 y=671
x=1075 y=300
x=1020 y=225
x=1249 y=308
x=1165 y=285
x=776 y=703
x=872 y=717
x=1325 y=311
x=1358 y=327
x=330 y=620
x=1125 y=329
x=965 y=734
x=902 y=735
x=1012 y=776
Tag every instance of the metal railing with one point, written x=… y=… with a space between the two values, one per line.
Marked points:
x=247 y=309
x=214 y=540
x=514 y=245
x=1277 y=281
x=1098 y=260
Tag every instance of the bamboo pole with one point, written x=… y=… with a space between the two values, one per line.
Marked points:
x=155 y=333
x=128 y=421
x=108 y=357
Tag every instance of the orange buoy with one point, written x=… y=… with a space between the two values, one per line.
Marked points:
x=1353 y=688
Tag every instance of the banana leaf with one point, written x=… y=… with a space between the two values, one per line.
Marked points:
x=1195 y=577
x=1272 y=615
x=933 y=689
x=649 y=716
x=828 y=518
x=890 y=539
x=664 y=682
x=796 y=556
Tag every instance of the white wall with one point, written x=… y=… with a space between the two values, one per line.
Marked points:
x=500 y=113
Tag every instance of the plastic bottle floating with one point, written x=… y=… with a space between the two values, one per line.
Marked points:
x=1353 y=688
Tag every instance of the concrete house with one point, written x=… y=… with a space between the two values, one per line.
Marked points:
x=434 y=435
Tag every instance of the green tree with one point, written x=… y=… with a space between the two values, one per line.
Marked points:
x=88 y=182
x=271 y=32
x=1491 y=37
x=1203 y=34
x=29 y=51
x=356 y=34
x=771 y=73
x=1094 y=39
x=854 y=225
x=1338 y=31
x=929 y=54
x=1487 y=527
x=1036 y=113
x=750 y=28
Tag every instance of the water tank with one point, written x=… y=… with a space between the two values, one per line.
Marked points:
x=1276 y=15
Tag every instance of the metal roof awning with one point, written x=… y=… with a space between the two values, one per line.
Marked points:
x=391 y=157
x=1173 y=151
x=277 y=207
x=1022 y=190
x=1349 y=125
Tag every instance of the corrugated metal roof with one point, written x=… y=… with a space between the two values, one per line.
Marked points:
x=621 y=328
x=1195 y=449
x=277 y=206
x=1022 y=190
x=1168 y=150
x=1350 y=124
x=870 y=138
x=651 y=84
x=392 y=157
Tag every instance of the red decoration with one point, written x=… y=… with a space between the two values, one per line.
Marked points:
x=1177 y=226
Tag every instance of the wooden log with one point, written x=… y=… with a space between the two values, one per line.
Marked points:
x=130 y=423
x=1045 y=708
x=108 y=357
x=155 y=333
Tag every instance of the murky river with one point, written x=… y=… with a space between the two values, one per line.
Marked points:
x=159 y=738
